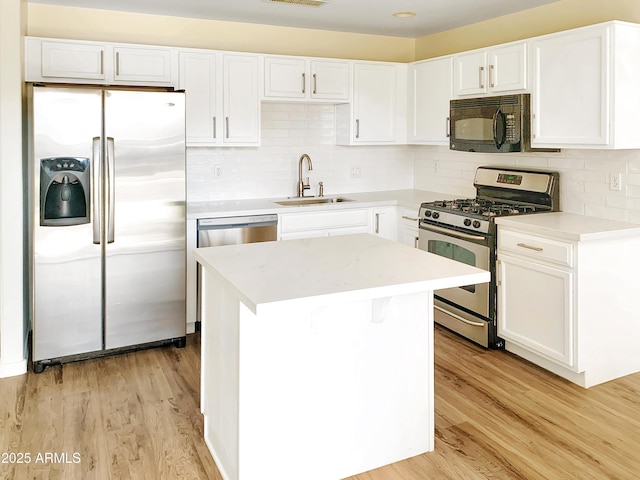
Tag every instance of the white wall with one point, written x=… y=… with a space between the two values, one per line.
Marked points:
x=13 y=352
x=288 y=131
x=584 y=177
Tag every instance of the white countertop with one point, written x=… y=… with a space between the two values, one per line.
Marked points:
x=407 y=198
x=570 y=226
x=327 y=269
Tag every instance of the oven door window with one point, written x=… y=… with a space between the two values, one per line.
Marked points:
x=453 y=252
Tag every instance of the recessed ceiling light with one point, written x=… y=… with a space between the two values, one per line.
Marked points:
x=404 y=14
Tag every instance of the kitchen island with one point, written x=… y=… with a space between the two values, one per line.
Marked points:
x=317 y=354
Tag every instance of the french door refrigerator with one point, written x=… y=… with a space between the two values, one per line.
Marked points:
x=107 y=203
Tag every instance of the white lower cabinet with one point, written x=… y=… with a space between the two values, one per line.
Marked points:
x=385 y=222
x=545 y=327
x=570 y=306
x=408 y=226
x=323 y=223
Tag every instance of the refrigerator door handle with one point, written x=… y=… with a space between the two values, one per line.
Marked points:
x=95 y=189
x=111 y=197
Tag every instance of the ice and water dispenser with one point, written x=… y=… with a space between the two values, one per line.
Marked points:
x=64 y=191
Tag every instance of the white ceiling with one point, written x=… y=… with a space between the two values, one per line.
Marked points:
x=360 y=16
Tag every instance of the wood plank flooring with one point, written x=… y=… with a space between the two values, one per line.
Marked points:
x=136 y=416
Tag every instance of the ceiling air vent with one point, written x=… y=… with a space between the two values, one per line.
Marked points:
x=308 y=3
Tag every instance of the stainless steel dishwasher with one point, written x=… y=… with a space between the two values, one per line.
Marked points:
x=215 y=232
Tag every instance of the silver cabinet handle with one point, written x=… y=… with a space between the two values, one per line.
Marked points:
x=304 y=82
x=448 y=127
x=357 y=128
x=117 y=64
x=215 y=128
x=409 y=218
x=529 y=247
x=226 y=125
x=96 y=189
x=491 y=84
x=377 y=223
x=101 y=62
x=481 y=77
x=111 y=189
x=315 y=84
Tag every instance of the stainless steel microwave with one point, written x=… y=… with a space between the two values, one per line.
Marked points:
x=491 y=124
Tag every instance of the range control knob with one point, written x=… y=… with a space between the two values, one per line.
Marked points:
x=435 y=215
x=476 y=224
x=467 y=222
x=427 y=213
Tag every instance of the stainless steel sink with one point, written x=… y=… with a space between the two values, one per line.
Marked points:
x=300 y=201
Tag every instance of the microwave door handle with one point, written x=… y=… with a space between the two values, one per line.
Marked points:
x=499 y=116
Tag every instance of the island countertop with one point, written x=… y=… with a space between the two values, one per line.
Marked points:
x=343 y=267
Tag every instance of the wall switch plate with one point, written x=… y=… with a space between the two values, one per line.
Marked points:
x=615 y=182
x=355 y=171
x=217 y=171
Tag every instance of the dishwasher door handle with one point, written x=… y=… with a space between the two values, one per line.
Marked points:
x=237 y=222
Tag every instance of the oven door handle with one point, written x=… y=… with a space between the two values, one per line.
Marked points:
x=458 y=317
x=451 y=233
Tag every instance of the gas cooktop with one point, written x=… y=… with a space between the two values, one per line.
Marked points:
x=500 y=192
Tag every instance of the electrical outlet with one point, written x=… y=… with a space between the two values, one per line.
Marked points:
x=615 y=182
x=217 y=171
x=355 y=171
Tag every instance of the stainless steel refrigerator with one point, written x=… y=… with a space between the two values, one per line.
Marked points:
x=107 y=202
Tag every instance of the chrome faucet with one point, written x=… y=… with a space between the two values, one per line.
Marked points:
x=301 y=185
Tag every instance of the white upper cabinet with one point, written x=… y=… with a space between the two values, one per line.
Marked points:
x=293 y=78
x=136 y=64
x=491 y=71
x=241 y=103
x=377 y=114
x=222 y=105
x=429 y=93
x=70 y=61
x=198 y=77
x=586 y=88
x=66 y=60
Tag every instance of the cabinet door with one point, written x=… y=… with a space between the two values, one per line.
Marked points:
x=570 y=91
x=408 y=227
x=72 y=60
x=385 y=222
x=198 y=80
x=470 y=73
x=241 y=102
x=508 y=68
x=374 y=105
x=329 y=80
x=430 y=92
x=285 y=77
x=148 y=65
x=535 y=308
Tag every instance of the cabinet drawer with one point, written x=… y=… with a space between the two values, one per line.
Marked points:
x=323 y=220
x=542 y=248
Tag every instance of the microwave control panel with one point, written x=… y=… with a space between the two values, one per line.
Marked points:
x=512 y=128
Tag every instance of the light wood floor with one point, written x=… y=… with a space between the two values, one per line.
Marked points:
x=137 y=416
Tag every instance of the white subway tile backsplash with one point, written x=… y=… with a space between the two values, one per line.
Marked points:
x=271 y=170
x=291 y=129
x=584 y=176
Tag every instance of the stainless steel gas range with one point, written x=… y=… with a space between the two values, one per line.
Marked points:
x=464 y=230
